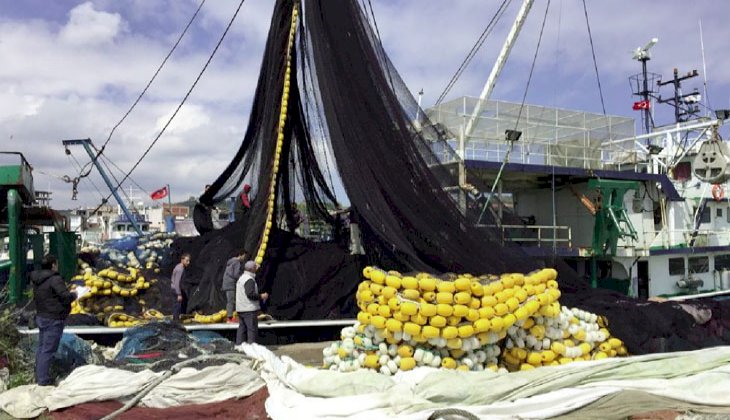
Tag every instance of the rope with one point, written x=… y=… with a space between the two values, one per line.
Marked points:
x=100 y=151
x=386 y=62
x=439 y=414
x=185 y=98
x=593 y=51
x=111 y=162
x=75 y=181
x=233 y=357
x=474 y=49
x=261 y=250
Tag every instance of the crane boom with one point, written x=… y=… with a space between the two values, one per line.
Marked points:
x=498 y=65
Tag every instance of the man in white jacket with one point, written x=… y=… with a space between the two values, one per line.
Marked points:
x=247 y=304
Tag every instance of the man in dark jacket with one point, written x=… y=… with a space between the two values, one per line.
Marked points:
x=178 y=286
x=234 y=269
x=53 y=304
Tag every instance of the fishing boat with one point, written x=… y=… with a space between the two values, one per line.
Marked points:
x=645 y=214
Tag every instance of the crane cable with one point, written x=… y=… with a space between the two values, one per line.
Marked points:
x=474 y=49
x=149 y=83
x=519 y=115
x=182 y=102
x=99 y=151
x=593 y=52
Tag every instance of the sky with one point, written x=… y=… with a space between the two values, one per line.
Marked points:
x=71 y=69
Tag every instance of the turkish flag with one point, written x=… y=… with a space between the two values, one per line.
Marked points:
x=641 y=105
x=159 y=194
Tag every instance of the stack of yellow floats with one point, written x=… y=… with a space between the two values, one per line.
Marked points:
x=508 y=322
x=109 y=283
x=109 y=287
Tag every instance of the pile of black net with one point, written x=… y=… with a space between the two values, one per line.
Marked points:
x=349 y=112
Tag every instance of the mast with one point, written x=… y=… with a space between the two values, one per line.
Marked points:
x=641 y=85
x=685 y=105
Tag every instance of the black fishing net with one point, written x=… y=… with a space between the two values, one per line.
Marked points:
x=160 y=345
x=351 y=114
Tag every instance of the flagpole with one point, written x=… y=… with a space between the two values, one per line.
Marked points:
x=169 y=199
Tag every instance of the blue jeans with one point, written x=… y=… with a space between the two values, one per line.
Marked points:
x=49 y=335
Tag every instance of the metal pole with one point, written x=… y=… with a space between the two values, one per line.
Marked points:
x=169 y=199
x=87 y=146
x=645 y=96
x=17 y=257
x=499 y=64
x=704 y=71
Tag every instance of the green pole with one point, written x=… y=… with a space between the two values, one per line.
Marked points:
x=17 y=259
x=594 y=272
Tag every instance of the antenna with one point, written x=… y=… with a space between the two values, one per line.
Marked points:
x=641 y=54
x=642 y=84
x=704 y=70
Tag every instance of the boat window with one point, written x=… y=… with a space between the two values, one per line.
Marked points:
x=718 y=213
x=676 y=266
x=705 y=216
x=120 y=228
x=699 y=264
x=145 y=228
x=722 y=262
x=683 y=171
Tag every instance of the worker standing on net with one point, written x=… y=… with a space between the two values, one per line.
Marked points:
x=181 y=298
x=243 y=202
x=234 y=269
x=248 y=304
x=53 y=304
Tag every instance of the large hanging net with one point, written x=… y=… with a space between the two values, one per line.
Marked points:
x=347 y=115
x=330 y=107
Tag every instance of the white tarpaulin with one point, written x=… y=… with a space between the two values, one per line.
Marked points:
x=699 y=377
x=99 y=383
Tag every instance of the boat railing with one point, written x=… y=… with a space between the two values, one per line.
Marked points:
x=550 y=136
x=564 y=154
x=684 y=237
x=540 y=235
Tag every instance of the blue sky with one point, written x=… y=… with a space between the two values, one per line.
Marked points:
x=72 y=68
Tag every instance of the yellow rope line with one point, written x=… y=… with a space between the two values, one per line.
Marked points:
x=279 y=140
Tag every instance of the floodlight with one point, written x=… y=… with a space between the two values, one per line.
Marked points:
x=512 y=135
x=722 y=114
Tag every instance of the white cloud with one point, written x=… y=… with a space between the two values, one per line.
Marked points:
x=87 y=26
x=188 y=118
x=14 y=105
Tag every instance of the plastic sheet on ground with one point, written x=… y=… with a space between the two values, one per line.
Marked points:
x=696 y=377
x=98 y=383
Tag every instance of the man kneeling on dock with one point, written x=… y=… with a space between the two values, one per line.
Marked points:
x=248 y=304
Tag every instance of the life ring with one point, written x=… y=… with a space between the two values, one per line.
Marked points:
x=718 y=192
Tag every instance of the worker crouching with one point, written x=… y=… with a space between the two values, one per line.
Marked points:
x=248 y=304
